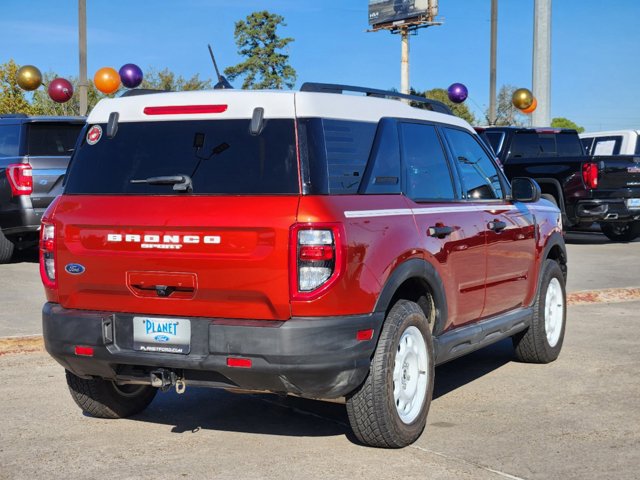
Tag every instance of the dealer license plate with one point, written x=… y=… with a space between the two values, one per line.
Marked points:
x=161 y=335
x=633 y=203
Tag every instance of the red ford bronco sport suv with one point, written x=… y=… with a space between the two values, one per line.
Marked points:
x=310 y=243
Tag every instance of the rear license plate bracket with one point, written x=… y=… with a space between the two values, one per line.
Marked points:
x=162 y=335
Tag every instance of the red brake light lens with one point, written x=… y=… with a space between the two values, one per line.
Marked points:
x=84 y=351
x=239 y=362
x=184 y=109
x=47 y=255
x=20 y=176
x=590 y=174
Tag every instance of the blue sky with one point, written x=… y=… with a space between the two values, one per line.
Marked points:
x=595 y=68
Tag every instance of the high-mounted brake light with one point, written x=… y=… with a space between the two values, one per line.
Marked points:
x=20 y=176
x=590 y=174
x=184 y=109
x=316 y=258
x=47 y=255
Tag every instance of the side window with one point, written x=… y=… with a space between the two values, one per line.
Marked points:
x=637 y=145
x=9 y=140
x=427 y=174
x=348 y=145
x=607 y=145
x=586 y=143
x=384 y=175
x=480 y=177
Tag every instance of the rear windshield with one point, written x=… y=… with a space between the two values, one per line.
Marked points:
x=495 y=139
x=52 y=140
x=220 y=157
x=541 y=144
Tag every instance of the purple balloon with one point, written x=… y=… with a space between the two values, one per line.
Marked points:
x=60 y=90
x=130 y=75
x=458 y=93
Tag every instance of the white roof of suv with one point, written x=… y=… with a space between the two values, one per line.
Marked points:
x=238 y=104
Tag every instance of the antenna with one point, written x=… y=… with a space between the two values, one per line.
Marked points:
x=222 y=82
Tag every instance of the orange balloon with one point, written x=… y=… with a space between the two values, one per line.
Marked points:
x=531 y=108
x=107 y=80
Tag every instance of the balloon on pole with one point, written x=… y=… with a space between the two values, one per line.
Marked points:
x=522 y=98
x=60 y=90
x=29 y=78
x=107 y=80
x=457 y=92
x=131 y=75
x=531 y=108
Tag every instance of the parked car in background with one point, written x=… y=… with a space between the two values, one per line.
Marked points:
x=587 y=189
x=615 y=142
x=34 y=154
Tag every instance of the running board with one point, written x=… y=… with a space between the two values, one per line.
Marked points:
x=468 y=338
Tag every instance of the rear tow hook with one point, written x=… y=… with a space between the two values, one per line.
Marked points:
x=165 y=379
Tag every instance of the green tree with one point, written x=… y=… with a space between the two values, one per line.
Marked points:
x=265 y=66
x=506 y=113
x=440 y=94
x=167 y=80
x=561 y=122
x=12 y=98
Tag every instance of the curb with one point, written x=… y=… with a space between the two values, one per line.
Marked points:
x=35 y=343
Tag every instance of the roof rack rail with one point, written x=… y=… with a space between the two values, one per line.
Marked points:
x=14 y=115
x=433 y=105
x=142 y=91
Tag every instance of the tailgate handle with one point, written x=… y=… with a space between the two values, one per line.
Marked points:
x=162 y=284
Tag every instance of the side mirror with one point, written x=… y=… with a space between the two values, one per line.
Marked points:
x=524 y=189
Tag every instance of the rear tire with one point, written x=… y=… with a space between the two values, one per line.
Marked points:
x=621 y=232
x=542 y=341
x=390 y=408
x=105 y=399
x=6 y=249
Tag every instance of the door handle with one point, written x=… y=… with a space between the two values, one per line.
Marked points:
x=497 y=226
x=439 y=231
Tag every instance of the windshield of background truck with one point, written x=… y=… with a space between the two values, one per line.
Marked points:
x=221 y=156
x=532 y=144
x=51 y=139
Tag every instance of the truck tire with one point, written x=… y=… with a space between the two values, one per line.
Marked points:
x=104 y=399
x=6 y=249
x=542 y=341
x=390 y=408
x=621 y=232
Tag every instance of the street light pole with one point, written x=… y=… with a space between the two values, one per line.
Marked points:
x=404 y=61
x=82 y=37
x=541 y=117
x=492 y=67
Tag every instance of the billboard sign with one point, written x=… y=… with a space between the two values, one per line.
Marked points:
x=390 y=11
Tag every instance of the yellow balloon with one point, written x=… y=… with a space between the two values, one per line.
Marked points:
x=522 y=98
x=29 y=77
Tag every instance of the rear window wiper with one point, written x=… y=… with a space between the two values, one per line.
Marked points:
x=181 y=183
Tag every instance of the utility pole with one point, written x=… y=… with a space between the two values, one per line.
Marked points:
x=82 y=44
x=541 y=117
x=493 y=61
x=404 y=61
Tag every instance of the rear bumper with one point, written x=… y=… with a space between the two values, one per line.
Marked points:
x=20 y=220
x=313 y=357
x=596 y=210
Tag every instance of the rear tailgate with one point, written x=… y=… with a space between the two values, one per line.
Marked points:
x=619 y=172
x=48 y=175
x=212 y=257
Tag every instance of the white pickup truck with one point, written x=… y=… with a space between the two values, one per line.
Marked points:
x=617 y=142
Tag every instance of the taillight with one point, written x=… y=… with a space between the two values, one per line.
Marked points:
x=590 y=174
x=316 y=262
x=47 y=255
x=20 y=176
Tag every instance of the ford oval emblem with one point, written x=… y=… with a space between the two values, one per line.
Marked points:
x=161 y=338
x=74 y=268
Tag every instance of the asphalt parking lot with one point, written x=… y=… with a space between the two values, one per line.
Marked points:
x=491 y=417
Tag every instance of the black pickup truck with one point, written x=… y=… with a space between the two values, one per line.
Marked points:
x=34 y=154
x=587 y=189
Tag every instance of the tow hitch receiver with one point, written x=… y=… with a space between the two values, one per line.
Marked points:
x=165 y=379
